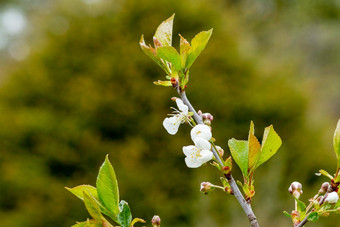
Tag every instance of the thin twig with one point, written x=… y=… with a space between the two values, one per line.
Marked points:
x=237 y=193
x=303 y=222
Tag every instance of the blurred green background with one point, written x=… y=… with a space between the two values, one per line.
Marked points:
x=74 y=86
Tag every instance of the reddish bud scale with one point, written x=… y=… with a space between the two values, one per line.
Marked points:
x=226 y=170
x=229 y=190
x=174 y=82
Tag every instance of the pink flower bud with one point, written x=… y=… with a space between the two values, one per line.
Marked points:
x=220 y=151
x=324 y=188
x=206 y=187
x=295 y=189
x=156 y=221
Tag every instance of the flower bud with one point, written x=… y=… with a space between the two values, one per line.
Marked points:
x=207 y=187
x=324 y=188
x=220 y=151
x=207 y=118
x=156 y=221
x=332 y=198
x=295 y=189
x=295 y=217
x=199 y=112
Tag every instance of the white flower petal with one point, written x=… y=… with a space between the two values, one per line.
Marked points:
x=206 y=156
x=202 y=131
x=192 y=162
x=171 y=124
x=202 y=143
x=191 y=151
x=332 y=198
x=182 y=107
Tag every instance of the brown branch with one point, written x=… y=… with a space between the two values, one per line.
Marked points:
x=236 y=191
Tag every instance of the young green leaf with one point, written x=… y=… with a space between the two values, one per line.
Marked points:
x=287 y=214
x=164 y=31
x=170 y=54
x=124 y=217
x=184 y=50
x=88 y=223
x=135 y=220
x=78 y=191
x=107 y=187
x=198 y=43
x=314 y=216
x=152 y=53
x=91 y=206
x=301 y=206
x=254 y=151
x=336 y=142
x=239 y=151
x=163 y=83
x=270 y=144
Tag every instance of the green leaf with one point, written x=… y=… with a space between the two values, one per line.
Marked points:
x=270 y=144
x=164 y=31
x=170 y=54
x=314 y=216
x=184 y=50
x=107 y=187
x=163 y=83
x=326 y=174
x=198 y=43
x=301 y=206
x=152 y=53
x=135 y=220
x=287 y=214
x=239 y=151
x=88 y=223
x=78 y=191
x=92 y=207
x=336 y=142
x=254 y=148
x=124 y=217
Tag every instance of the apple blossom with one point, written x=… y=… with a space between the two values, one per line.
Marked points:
x=171 y=124
x=332 y=198
x=201 y=131
x=198 y=154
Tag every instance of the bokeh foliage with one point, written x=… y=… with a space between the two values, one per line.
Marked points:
x=88 y=91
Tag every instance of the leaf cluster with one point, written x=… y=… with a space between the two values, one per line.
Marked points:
x=102 y=202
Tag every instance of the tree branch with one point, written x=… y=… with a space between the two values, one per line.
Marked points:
x=303 y=222
x=246 y=206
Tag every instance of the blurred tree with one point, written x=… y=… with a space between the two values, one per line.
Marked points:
x=86 y=90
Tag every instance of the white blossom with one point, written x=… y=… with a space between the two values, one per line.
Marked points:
x=201 y=131
x=171 y=124
x=332 y=198
x=198 y=154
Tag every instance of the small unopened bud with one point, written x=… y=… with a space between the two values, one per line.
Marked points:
x=207 y=187
x=199 y=112
x=156 y=221
x=295 y=216
x=173 y=81
x=207 y=118
x=324 y=188
x=220 y=151
x=332 y=198
x=295 y=189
